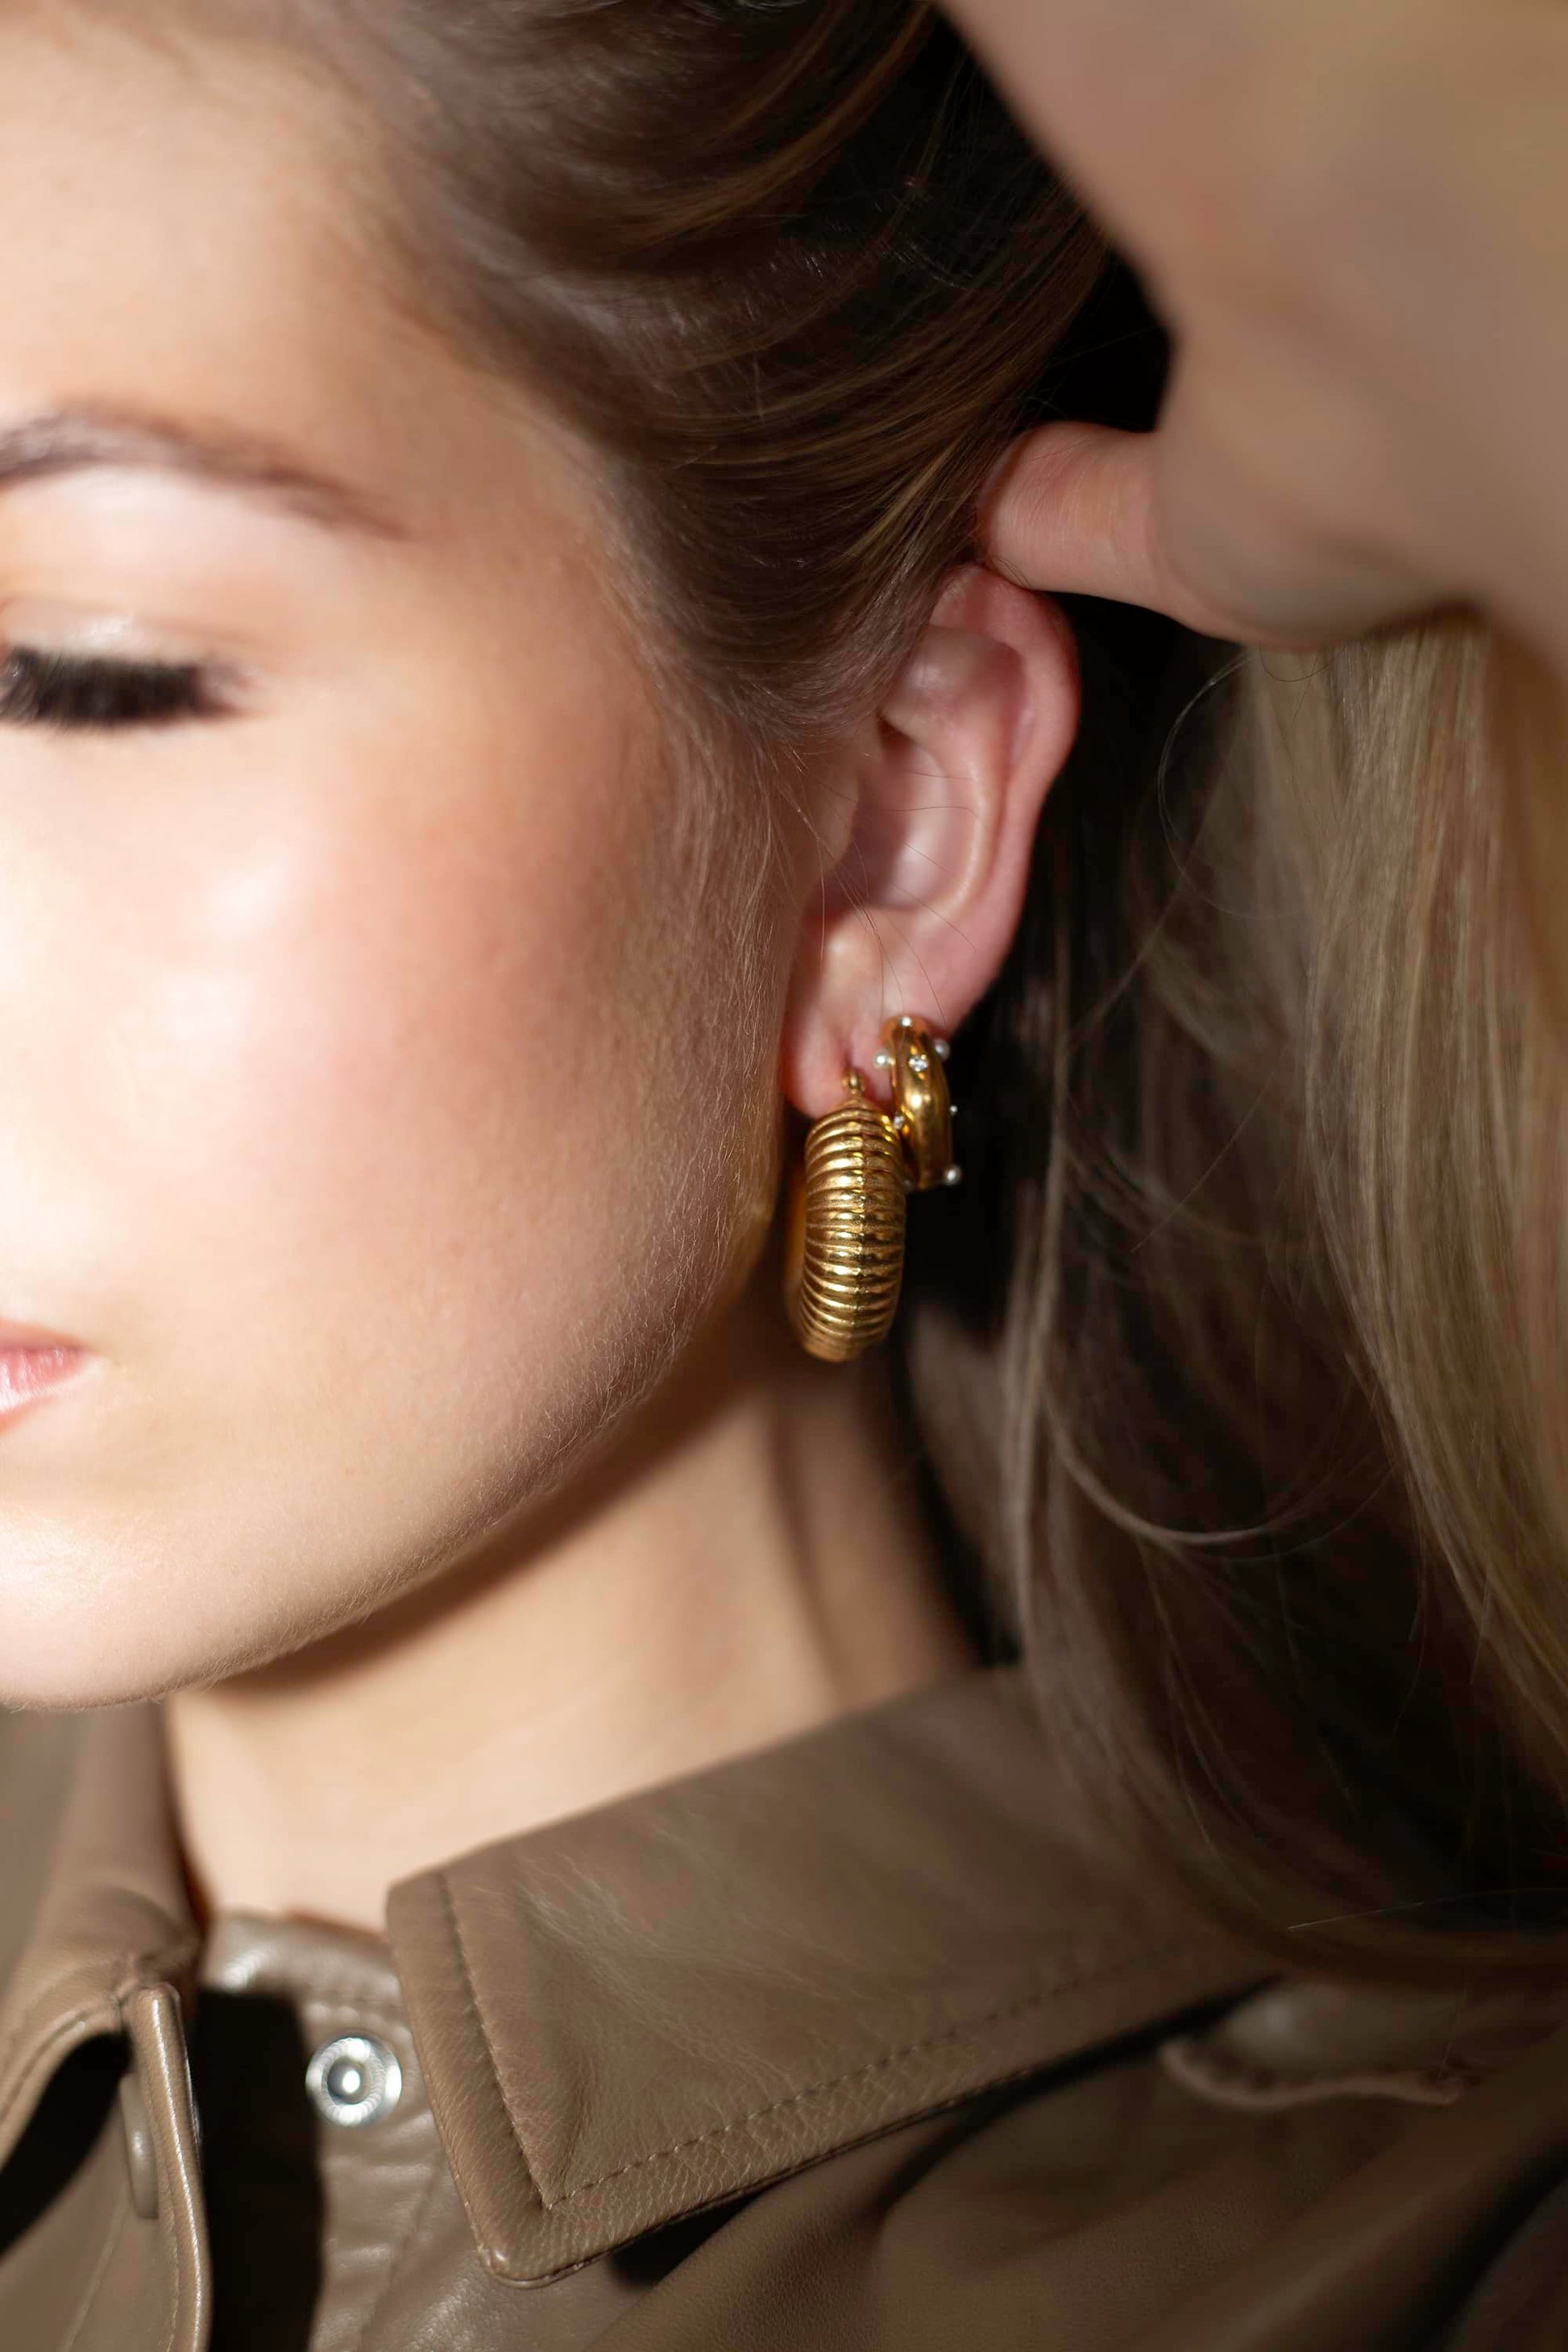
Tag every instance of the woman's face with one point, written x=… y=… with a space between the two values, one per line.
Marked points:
x=369 y=1063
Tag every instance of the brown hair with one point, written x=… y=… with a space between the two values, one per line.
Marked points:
x=1276 y=1343
x=1232 y=1356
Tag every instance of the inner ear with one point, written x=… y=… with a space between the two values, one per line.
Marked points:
x=931 y=832
x=924 y=778
x=904 y=800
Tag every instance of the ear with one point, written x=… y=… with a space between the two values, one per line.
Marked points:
x=924 y=833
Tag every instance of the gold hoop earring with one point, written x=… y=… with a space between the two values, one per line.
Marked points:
x=922 y=1113
x=845 y=1251
x=844 y=1246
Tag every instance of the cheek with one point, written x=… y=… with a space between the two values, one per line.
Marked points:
x=414 y=1140
x=402 y=1038
x=415 y=1067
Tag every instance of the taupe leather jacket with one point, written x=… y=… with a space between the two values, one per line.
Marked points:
x=847 y=2046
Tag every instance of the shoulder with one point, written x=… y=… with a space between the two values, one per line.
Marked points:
x=857 y=2044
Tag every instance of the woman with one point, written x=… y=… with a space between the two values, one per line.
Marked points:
x=511 y=768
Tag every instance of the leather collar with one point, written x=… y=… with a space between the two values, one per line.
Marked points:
x=86 y=1798
x=656 y=2008
x=653 y=2009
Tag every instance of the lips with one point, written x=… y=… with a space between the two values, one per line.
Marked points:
x=33 y=1364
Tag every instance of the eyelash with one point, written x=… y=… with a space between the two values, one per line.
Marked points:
x=65 y=690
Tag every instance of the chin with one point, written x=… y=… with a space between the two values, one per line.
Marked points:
x=61 y=1677
x=88 y=1642
x=63 y=1685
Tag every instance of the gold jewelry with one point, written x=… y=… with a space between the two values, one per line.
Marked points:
x=845 y=1250
x=845 y=1246
x=923 y=1108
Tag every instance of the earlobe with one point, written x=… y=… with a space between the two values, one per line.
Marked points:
x=945 y=792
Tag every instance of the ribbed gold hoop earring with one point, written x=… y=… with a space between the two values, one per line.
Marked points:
x=845 y=1247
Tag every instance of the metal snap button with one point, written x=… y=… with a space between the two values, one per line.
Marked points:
x=353 y=2081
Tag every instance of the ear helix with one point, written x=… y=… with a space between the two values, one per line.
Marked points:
x=844 y=1243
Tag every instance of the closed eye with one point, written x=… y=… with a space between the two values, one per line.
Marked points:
x=70 y=690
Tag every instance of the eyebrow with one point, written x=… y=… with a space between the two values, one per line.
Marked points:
x=87 y=440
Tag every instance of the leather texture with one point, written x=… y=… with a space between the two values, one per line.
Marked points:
x=849 y=2046
x=641 y=2014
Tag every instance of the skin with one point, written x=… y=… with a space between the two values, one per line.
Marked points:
x=1350 y=214
x=384 y=1113
x=384 y=1116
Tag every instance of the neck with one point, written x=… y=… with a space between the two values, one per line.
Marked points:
x=749 y=1564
